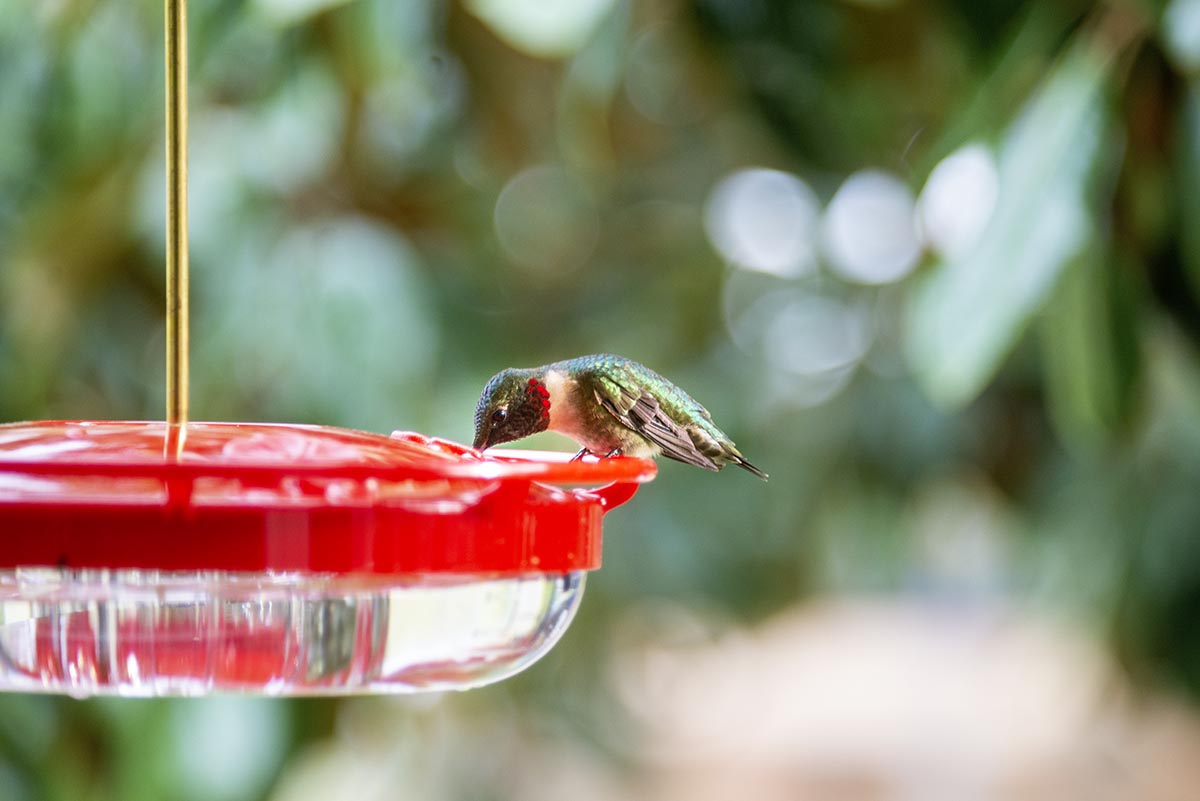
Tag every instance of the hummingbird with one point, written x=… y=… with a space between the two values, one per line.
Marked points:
x=610 y=406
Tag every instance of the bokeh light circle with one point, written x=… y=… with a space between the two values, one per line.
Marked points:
x=764 y=220
x=546 y=220
x=958 y=200
x=868 y=233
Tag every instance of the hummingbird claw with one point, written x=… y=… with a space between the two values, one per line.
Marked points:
x=612 y=453
x=582 y=453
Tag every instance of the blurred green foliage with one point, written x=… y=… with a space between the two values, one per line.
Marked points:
x=391 y=201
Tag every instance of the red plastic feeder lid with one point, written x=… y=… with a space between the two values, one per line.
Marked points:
x=287 y=498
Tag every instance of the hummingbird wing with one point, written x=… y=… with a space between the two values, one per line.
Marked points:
x=641 y=412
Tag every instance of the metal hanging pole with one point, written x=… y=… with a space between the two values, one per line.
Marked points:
x=177 y=213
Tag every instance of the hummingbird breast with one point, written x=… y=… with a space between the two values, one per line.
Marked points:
x=575 y=412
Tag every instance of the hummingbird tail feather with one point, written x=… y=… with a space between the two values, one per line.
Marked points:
x=745 y=465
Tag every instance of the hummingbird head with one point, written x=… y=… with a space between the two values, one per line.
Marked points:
x=514 y=404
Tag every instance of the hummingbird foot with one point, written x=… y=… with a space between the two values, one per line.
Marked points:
x=585 y=452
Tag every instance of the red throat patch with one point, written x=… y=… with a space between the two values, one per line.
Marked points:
x=538 y=394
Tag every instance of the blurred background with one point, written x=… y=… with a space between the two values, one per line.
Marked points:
x=934 y=265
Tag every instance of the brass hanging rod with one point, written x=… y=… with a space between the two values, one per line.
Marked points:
x=177 y=213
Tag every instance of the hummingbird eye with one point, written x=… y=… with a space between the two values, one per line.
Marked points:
x=499 y=416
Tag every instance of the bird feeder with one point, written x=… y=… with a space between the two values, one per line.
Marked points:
x=184 y=558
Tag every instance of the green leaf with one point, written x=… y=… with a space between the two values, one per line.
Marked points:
x=290 y=12
x=1189 y=184
x=1091 y=355
x=968 y=313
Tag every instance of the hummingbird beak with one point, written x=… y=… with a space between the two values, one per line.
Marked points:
x=481 y=437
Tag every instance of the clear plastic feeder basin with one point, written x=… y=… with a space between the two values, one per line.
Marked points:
x=143 y=559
